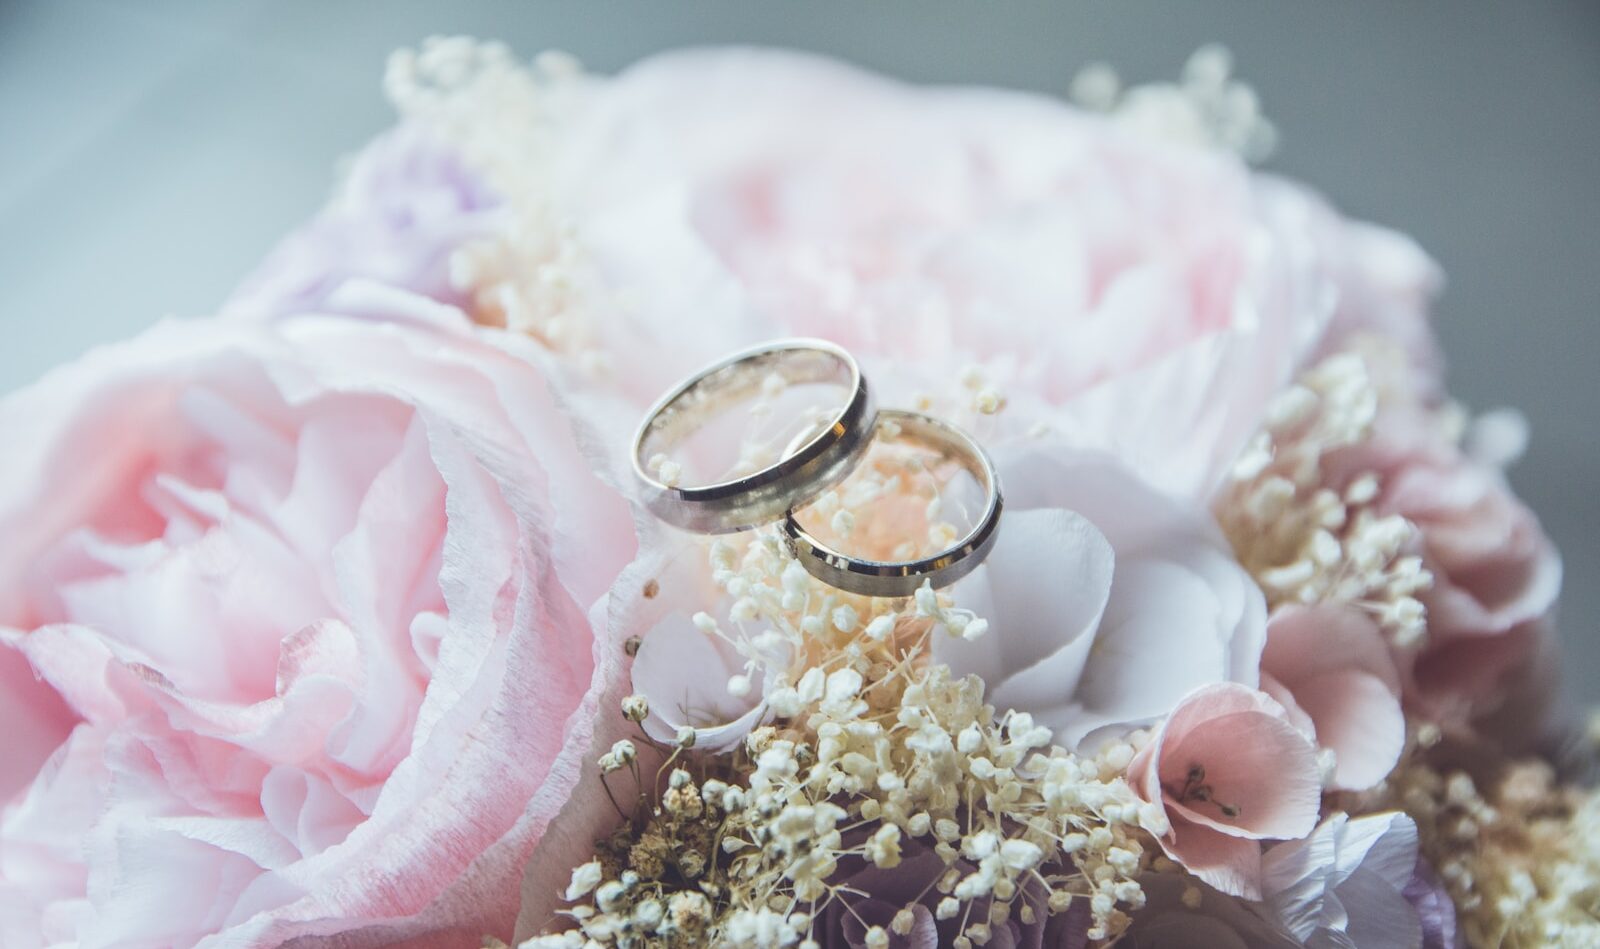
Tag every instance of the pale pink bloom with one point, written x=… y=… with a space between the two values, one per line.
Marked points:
x=1142 y=298
x=1384 y=285
x=1345 y=885
x=1108 y=602
x=296 y=637
x=1332 y=670
x=1231 y=769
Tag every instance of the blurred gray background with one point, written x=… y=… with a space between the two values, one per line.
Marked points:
x=152 y=150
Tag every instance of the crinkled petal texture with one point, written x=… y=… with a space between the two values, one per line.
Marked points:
x=1146 y=298
x=1108 y=602
x=1436 y=911
x=1231 y=769
x=298 y=635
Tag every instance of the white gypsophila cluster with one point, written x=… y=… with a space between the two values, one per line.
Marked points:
x=1306 y=540
x=965 y=400
x=501 y=115
x=1518 y=851
x=871 y=749
x=1206 y=107
x=1004 y=810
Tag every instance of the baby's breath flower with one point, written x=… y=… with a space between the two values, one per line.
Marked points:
x=531 y=275
x=1207 y=106
x=869 y=748
x=1518 y=853
x=635 y=708
x=584 y=879
x=1303 y=537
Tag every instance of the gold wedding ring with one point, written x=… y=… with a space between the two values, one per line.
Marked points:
x=813 y=462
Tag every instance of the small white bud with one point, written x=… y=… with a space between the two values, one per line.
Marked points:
x=635 y=708
x=845 y=619
x=843 y=523
x=584 y=879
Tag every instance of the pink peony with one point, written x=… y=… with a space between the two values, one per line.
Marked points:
x=296 y=637
x=1141 y=298
x=1332 y=671
x=1232 y=770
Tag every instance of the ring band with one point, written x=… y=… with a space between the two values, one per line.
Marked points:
x=902 y=578
x=806 y=470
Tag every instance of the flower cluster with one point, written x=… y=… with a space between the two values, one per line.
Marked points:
x=527 y=273
x=869 y=751
x=1517 y=849
x=1207 y=106
x=1306 y=537
x=935 y=769
x=335 y=618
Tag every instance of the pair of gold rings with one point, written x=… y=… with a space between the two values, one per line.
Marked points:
x=816 y=460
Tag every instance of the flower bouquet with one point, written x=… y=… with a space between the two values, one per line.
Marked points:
x=1143 y=587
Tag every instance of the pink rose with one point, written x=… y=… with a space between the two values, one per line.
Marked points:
x=1332 y=671
x=1137 y=297
x=296 y=638
x=1232 y=770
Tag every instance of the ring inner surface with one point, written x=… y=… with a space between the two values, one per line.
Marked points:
x=741 y=418
x=900 y=514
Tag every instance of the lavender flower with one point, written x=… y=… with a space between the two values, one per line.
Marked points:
x=407 y=203
x=1427 y=895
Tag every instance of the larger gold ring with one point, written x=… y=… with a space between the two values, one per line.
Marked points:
x=809 y=466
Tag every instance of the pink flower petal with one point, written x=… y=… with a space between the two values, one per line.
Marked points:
x=1229 y=863
x=1359 y=718
x=1303 y=641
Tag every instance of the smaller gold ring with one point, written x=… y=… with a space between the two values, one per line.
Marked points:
x=902 y=578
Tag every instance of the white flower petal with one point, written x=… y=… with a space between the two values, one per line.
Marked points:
x=1043 y=590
